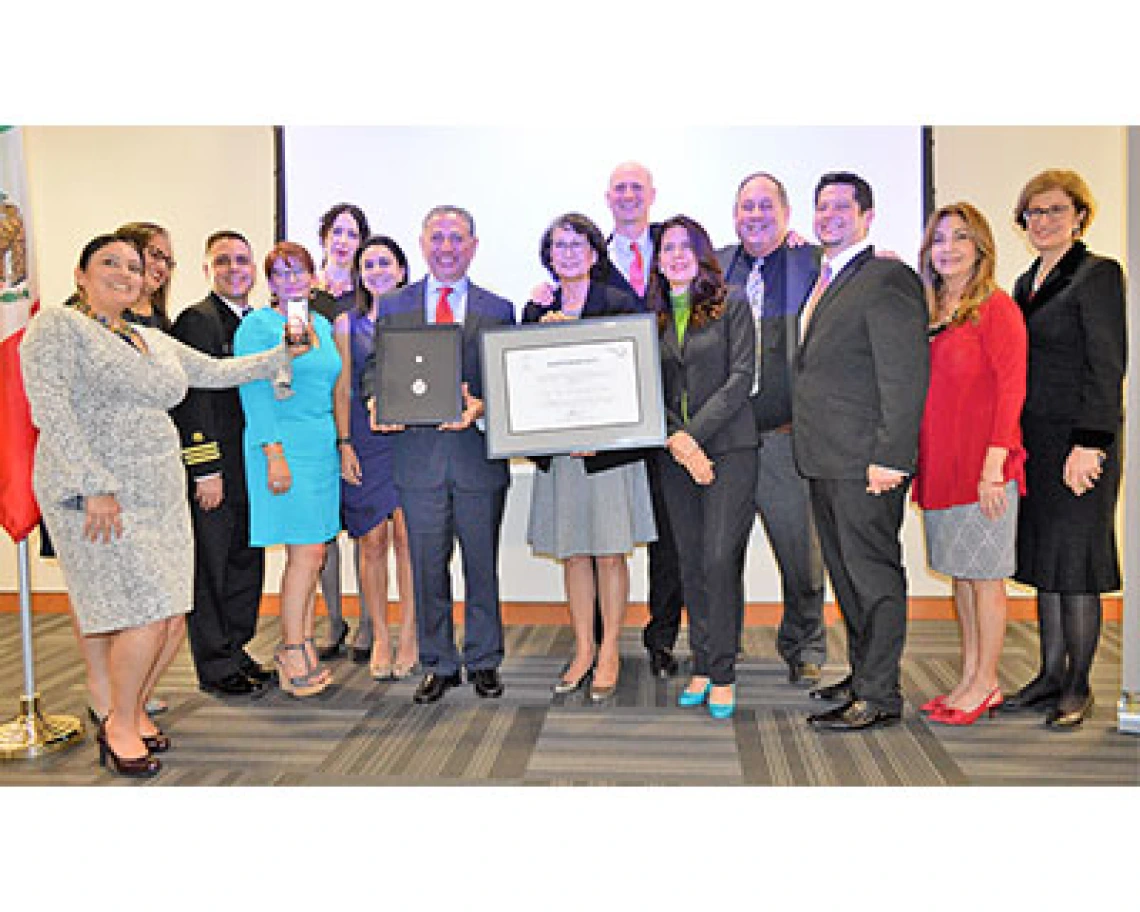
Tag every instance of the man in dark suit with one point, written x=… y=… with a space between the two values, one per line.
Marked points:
x=448 y=487
x=860 y=384
x=228 y=573
x=775 y=279
x=629 y=196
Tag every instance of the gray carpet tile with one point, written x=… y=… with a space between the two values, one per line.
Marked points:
x=363 y=732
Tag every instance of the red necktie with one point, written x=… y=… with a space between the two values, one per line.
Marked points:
x=443 y=312
x=637 y=270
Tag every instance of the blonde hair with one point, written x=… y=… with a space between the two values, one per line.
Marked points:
x=1071 y=183
x=981 y=283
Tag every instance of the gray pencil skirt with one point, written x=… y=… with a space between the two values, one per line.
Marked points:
x=961 y=542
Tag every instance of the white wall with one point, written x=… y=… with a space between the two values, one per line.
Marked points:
x=86 y=180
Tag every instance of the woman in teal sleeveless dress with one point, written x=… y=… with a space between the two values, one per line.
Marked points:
x=292 y=466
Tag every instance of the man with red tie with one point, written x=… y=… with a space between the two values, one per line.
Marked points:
x=629 y=195
x=449 y=490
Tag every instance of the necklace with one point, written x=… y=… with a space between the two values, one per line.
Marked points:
x=118 y=326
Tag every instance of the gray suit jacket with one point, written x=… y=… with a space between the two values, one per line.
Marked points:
x=425 y=457
x=861 y=372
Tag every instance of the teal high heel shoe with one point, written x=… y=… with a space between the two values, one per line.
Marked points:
x=723 y=710
x=694 y=698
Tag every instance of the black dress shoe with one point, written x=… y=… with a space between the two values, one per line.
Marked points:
x=361 y=655
x=256 y=672
x=232 y=685
x=661 y=663
x=855 y=715
x=434 y=686
x=487 y=682
x=840 y=690
x=1065 y=715
x=805 y=674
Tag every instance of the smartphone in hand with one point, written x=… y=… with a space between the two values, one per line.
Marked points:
x=296 y=321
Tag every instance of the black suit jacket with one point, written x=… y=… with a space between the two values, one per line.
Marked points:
x=711 y=372
x=210 y=422
x=1077 y=345
x=784 y=299
x=617 y=279
x=861 y=372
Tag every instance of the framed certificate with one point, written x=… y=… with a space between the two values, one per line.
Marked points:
x=573 y=386
x=418 y=378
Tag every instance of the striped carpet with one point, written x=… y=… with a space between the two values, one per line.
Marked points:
x=360 y=732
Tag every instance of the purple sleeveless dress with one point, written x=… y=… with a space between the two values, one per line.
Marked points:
x=367 y=505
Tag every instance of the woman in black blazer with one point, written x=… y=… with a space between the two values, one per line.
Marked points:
x=1073 y=303
x=708 y=470
x=588 y=510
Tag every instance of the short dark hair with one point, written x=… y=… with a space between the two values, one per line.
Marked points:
x=226 y=235
x=100 y=241
x=579 y=224
x=448 y=209
x=780 y=189
x=363 y=304
x=326 y=222
x=863 y=196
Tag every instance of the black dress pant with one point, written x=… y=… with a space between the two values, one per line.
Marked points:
x=666 y=597
x=859 y=536
x=228 y=580
x=711 y=524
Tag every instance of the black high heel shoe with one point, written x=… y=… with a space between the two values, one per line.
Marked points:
x=563 y=687
x=333 y=650
x=136 y=767
x=158 y=743
x=1062 y=719
x=1036 y=696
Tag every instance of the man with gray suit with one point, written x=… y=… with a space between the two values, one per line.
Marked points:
x=775 y=279
x=448 y=488
x=860 y=384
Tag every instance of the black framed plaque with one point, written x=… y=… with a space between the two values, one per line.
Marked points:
x=573 y=386
x=418 y=378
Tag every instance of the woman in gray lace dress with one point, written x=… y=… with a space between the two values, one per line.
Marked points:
x=109 y=479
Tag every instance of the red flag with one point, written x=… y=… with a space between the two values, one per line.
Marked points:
x=19 y=512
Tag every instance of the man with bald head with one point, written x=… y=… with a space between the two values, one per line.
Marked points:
x=776 y=279
x=629 y=196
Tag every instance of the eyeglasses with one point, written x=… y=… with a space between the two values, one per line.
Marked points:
x=565 y=246
x=222 y=260
x=1052 y=212
x=291 y=272
x=161 y=256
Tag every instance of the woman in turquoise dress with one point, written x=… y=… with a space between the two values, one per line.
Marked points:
x=292 y=466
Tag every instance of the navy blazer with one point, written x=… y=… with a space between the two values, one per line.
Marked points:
x=425 y=458
x=862 y=372
x=711 y=372
x=780 y=336
x=1077 y=345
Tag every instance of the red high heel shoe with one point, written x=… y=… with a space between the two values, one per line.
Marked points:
x=949 y=715
x=934 y=703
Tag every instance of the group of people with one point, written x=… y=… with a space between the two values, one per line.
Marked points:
x=813 y=384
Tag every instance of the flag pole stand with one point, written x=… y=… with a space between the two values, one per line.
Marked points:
x=31 y=733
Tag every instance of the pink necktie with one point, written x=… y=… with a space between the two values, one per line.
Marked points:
x=816 y=293
x=637 y=271
x=443 y=312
